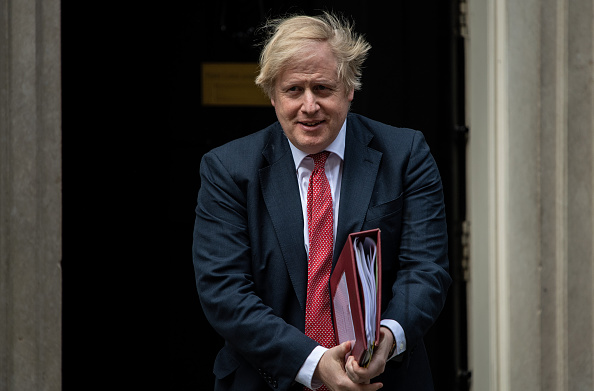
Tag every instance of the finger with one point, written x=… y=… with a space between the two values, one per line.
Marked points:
x=341 y=351
x=359 y=374
x=352 y=368
x=345 y=347
x=349 y=369
x=372 y=387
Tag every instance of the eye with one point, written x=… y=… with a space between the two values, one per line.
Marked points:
x=323 y=90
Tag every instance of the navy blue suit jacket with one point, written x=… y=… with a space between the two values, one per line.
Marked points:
x=251 y=263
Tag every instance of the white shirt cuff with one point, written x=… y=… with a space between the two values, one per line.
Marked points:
x=398 y=332
x=305 y=374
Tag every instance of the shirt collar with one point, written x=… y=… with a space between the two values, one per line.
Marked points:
x=336 y=147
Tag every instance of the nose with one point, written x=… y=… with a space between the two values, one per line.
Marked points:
x=310 y=104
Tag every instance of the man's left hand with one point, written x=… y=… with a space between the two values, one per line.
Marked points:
x=378 y=361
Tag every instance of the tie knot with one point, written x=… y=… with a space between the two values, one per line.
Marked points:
x=320 y=159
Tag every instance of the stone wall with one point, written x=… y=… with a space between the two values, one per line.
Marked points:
x=30 y=196
x=531 y=192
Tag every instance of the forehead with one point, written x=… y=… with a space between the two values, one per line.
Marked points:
x=315 y=59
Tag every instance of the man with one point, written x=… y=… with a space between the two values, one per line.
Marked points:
x=262 y=257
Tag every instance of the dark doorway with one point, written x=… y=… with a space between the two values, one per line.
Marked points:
x=411 y=79
x=134 y=130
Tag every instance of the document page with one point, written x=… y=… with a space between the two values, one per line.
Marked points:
x=342 y=312
x=365 y=254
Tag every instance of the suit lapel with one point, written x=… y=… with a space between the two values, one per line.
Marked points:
x=361 y=164
x=281 y=196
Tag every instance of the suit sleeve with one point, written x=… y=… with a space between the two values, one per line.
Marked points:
x=422 y=281
x=223 y=265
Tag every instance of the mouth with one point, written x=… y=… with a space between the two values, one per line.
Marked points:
x=310 y=124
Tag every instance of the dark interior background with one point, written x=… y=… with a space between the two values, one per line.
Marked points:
x=134 y=130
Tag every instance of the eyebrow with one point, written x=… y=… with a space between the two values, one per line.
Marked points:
x=311 y=81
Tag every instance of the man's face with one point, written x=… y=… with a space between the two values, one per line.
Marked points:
x=310 y=102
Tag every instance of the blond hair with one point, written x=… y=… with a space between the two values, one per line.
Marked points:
x=288 y=37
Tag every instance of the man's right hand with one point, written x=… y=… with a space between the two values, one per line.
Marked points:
x=331 y=371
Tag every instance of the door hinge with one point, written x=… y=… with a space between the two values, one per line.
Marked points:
x=463 y=18
x=465 y=250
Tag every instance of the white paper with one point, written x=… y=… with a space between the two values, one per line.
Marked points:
x=365 y=256
x=342 y=312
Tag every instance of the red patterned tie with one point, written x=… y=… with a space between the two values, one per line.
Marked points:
x=318 y=317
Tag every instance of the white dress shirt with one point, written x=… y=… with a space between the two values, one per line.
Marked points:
x=304 y=165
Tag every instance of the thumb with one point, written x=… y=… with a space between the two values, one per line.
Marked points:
x=345 y=347
x=343 y=351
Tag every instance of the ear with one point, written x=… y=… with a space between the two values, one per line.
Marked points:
x=272 y=101
x=351 y=94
